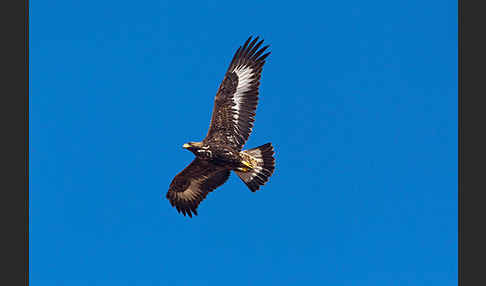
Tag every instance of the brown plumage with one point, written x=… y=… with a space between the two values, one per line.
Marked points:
x=231 y=124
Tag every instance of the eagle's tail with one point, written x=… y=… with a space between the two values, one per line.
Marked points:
x=261 y=165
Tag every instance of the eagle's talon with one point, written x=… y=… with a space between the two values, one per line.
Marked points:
x=247 y=164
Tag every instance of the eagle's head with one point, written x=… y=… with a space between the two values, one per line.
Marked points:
x=193 y=146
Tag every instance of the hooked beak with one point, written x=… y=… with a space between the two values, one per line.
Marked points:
x=186 y=146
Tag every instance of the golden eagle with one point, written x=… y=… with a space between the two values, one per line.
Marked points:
x=231 y=124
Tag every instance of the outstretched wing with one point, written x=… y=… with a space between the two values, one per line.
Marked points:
x=193 y=184
x=237 y=97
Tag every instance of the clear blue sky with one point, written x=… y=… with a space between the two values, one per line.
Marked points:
x=359 y=99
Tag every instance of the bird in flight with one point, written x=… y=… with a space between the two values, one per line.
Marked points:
x=231 y=124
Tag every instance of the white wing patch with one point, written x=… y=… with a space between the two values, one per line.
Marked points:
x=245 y=76
x=190 y=193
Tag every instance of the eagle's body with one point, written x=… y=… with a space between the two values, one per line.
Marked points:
x=231 y=124
x=217 y=154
